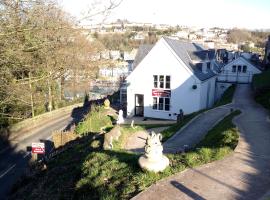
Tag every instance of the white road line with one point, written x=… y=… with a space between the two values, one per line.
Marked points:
x=26 y=154
x=9 y=169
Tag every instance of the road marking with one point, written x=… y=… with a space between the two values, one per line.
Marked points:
x=9 y=169
x=26 y=154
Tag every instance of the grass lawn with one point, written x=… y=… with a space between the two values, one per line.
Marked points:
x=88 y=172
x=261 y=80
x=261 y=84
x=96 y=120
x=226 y=97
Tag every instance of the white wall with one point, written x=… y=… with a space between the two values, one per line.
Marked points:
x=162 y=61
x=239 y=77
x=220 y=89
x=208 y=93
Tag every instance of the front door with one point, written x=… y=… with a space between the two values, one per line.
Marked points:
x=139 y=104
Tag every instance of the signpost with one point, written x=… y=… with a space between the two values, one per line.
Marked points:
x=38 y=148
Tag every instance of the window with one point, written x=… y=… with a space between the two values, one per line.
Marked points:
x=155 y=81
x=168 y=82
x=244 y=69
x=208 y=65
x=161 y=81
x=239 y=68
x=161 y=103
x=234 y=68
x=155 y=102
x=167 y=104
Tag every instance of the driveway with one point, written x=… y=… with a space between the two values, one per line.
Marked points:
x=243 y=175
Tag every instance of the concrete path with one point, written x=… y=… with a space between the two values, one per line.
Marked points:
x=136 y=141
x=194 y=132
x=243 y=175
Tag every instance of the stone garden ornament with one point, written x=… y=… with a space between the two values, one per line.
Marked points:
x=120 y=119
x=153 y=159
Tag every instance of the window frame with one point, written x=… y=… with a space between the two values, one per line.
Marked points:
x=162 y=81
x=161 y=104
x=234 y=68
x=239 y=68
x=244 y=69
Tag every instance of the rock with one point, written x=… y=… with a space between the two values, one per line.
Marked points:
x=111 y=136
x=153 y=159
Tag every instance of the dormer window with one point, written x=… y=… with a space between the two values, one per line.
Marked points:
x=239 y=68
x=234 y=68
x=244 y=69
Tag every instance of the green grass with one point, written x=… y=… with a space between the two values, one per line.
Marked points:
x=88 y=172
x=261 y=84
x=261 y=80
x=264 y=99
x=96 y=121
x=226 y=97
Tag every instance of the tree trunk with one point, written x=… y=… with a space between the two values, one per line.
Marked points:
x=31 y=96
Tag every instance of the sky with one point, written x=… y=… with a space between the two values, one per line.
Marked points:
x=250 y=14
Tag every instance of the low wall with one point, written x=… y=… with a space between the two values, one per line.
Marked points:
x=32 y=122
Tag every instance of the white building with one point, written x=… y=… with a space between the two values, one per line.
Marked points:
x=173 y=75
x=239 y=70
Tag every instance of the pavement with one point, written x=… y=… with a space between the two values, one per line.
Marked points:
x=195 y=130
x=14 y=157
x=243 y=175
x=143 y=121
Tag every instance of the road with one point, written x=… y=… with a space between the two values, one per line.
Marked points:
x=14 y=158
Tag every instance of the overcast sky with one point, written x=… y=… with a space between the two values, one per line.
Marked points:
x=252 y=14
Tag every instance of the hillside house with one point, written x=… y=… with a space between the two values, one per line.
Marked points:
x=173 y=75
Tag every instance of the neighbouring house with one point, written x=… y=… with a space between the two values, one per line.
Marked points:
x=173 y=75
x=239 y=70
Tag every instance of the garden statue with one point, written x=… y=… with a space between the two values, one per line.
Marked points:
x=153 y=159
x=107 y=103
x=120 y=119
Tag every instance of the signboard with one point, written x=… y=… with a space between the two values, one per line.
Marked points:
x=161 y=93
x=38 y=148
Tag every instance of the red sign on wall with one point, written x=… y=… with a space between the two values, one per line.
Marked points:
x=161 y=93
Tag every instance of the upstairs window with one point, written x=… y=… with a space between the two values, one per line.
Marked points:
x=168 y=82
x=162 y=81
x=155 y=81
x=244 y=69
x=208 y=65
x=234 y=68
x=239 y=68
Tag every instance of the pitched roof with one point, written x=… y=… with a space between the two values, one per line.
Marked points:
x=183 y=50
x=141 y=53
x=203 y=55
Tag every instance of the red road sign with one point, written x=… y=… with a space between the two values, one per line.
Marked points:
x=38 y=148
